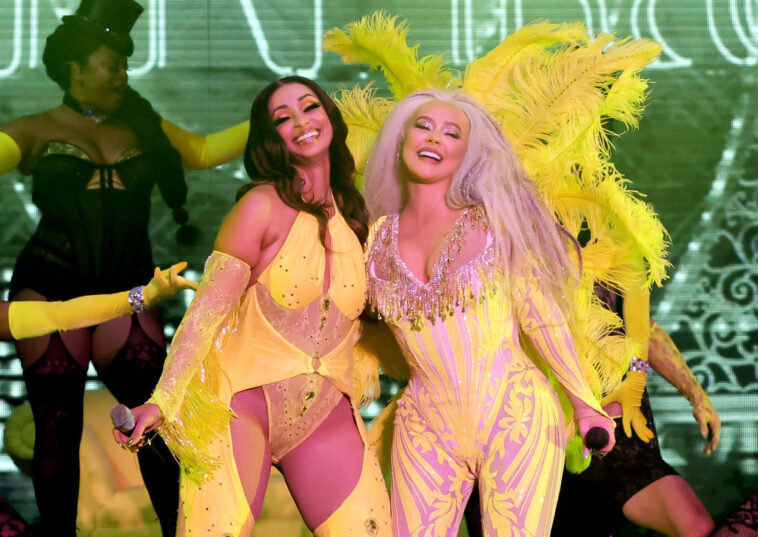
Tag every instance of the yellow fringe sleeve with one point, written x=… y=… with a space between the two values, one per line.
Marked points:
x=379 y=436
x=187 y=390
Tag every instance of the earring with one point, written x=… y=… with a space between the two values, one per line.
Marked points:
x=467 y=187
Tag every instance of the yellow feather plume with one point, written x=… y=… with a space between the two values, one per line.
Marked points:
x=549 y=96
x=492 y=70
x=364 y=114
x=381 y=43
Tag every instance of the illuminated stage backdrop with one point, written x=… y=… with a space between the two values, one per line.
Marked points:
x=695 y=156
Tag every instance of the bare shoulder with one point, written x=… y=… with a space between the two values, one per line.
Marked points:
x=24 y=130
x=253 y=224
x=31 y=122
x=261 y=199
x=29 y=132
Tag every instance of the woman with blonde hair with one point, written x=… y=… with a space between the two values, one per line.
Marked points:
x=464 y=259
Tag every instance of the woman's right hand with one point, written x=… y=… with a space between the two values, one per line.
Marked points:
x=147 y=417
x=587 y=418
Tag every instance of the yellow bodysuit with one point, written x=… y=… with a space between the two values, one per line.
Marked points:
x=476 y=409
x=281 y=333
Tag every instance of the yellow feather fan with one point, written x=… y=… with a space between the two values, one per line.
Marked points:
x=486 y=75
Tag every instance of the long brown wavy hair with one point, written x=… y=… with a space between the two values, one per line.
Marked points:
x=268 y=162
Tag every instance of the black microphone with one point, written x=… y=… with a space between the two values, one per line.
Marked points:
x=596 y=438
x=123 y=419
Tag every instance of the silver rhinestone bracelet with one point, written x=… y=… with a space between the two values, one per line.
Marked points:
x=638 y=364
x=137 y=300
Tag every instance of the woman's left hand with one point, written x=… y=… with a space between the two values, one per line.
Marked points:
x=166 y=283
x=629 y=394
x=585 y=423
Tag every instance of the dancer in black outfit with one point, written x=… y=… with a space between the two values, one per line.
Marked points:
x=94 y=161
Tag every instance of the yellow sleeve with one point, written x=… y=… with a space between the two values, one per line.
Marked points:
x=10 y=153
x=203 y=152
x=36 y=318
x=186 y=392
x=545 y=325
x=637 y=318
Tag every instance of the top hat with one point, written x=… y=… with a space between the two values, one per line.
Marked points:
x=108 y=21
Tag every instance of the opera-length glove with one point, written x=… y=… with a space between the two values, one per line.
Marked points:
x=203 y=152
x=630 y=391
x=37 y=318
x=10 y=153
x=546 y=327
x=629 y=396
x=666 y=359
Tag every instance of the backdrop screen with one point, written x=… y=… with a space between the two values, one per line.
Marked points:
x=695 y=157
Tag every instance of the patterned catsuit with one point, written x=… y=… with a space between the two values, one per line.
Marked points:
x=476 y=408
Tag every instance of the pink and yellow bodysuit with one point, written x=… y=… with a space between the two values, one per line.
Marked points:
x=277 y=352
x=476 y=408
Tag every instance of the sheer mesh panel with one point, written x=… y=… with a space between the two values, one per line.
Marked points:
x=316 y=329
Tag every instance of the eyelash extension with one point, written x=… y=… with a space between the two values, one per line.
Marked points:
x=280 y=120
x=312 y=106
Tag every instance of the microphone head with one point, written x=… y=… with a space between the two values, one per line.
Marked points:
x=596 y=438
x=122 y=418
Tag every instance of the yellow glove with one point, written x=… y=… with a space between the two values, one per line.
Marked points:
x=36 y=318
x=166 y=283
x=10 y=153
x=204 y=152
x=629 y=395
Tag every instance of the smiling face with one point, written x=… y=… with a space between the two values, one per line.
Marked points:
x=435 y=142
x=101 y=81
x=301 y=121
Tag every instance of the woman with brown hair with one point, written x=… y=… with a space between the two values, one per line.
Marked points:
x=270 y=336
